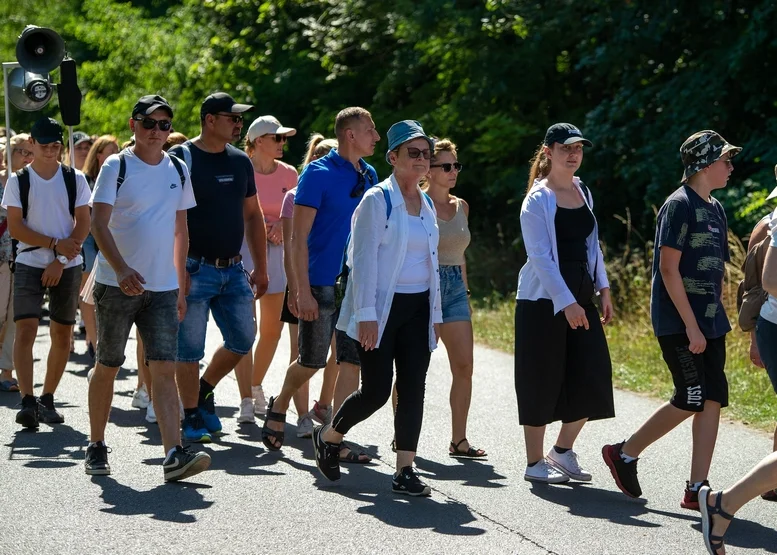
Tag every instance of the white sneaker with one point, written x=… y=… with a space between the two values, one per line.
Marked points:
x=305 y=426
x=141 y=399
x=260 y=403
x=543 y=472
x=246 y=411
x=568 y=464
x=150 y=414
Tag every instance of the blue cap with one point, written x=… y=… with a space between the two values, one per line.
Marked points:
x=403 y=131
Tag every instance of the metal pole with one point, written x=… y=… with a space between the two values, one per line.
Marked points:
x=8 y=153
x=70 y=145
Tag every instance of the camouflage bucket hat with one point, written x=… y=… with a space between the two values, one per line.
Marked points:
x=703 y=149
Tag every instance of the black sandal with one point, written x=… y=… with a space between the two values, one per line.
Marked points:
x=268 y=433
x=470 y=453
x=712 y=542
x=352 y=457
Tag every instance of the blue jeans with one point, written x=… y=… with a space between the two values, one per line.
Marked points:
x=766 y=339
x=227 y=294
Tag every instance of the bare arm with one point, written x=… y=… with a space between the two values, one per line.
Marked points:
x=181 y=248
x=256 y=237
x=83 y=223
x=669 y=266
x=129 y=280
x=288 y=263
x=465 y=207
x=302 y=223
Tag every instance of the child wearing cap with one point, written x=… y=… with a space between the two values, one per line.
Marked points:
x=691 y=249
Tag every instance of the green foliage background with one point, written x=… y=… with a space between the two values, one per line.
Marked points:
x=638 y=77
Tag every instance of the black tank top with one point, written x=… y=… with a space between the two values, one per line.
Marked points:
x=573 y=226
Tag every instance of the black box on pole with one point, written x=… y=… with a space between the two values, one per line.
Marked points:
x=69 y=94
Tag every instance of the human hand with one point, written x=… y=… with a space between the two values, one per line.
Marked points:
x=307 y=307
x=755 y=356
x=607 y=309
x=130 y=282
x=368 y=334
x=181 y=305
x=52 y=274
x=697 y=340
x=576 y=316
x=68 y=247
x=275 y=233
x=260 y=281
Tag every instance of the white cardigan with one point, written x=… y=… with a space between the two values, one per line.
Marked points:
x=375 y=256
x=540 y=277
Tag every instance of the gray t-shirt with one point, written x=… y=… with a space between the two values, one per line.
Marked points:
x=699 y=230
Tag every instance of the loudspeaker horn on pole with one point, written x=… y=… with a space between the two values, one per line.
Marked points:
x=39 y=50
x=29 y=91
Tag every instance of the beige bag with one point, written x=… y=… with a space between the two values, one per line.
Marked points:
x=87 y=293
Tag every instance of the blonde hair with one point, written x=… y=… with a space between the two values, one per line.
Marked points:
x=540 y=166
x=249 y=146
x=440 y=145
x=18 y=139
x=174 y=138
x=318 y=147
x=91 y=169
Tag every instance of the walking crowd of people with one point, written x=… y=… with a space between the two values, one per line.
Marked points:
x=369 y=274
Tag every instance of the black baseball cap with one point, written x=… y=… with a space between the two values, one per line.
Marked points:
x=146 y=105
x=221 y=102
x=565 y=134
x=46 y=131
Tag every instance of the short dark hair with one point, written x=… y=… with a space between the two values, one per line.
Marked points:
x=346 y=116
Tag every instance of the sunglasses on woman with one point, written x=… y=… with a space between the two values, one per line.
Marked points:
x=416 y=153
x=448 y=167
x=150 y=123
x=278 y=138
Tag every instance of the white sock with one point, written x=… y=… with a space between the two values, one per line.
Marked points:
x=627 y=459
x=96 y=443
x=695 y=486
x=170 y=452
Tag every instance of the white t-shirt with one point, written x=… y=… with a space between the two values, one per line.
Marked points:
x=47 y=213
x=769 y=308
x=417 y=266
x=143 y=218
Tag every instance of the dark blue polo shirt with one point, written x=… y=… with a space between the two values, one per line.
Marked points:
x=326 y=185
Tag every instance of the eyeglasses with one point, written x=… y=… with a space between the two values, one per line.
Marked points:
x=361 y=182
x=150 y=123
x=23 y=151
x=417 y=153
x=448 y=167
x=278 y=138
x=236 y=118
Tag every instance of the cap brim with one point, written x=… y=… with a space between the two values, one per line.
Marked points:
x=153 y=108
x=240 y=108
x=573 y=140
x=288 y=131
x=733 y=150
x=87 y=140
x=49 y=140
x=773 y=194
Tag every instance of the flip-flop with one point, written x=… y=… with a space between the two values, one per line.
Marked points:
x=9 y=385
x=353 y=457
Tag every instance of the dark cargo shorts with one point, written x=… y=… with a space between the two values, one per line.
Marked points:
x=315 y=337
x=28 y=292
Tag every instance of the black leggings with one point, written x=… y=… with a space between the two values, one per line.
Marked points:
x=406 y=342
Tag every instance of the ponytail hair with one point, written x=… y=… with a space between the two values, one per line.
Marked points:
x=318 y=146
x=540 y=167
x=248 y=146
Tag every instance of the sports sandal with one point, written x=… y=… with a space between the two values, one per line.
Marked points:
x=470 y=453
x=712 y=542
x=353 y=457
x=9 y=385
x=269 y=434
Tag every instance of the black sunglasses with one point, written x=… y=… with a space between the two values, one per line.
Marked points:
x=361 y=182
x=448 y=167
x=236 y=118
x=417 y=153
x=150 y=123
x=278 y=138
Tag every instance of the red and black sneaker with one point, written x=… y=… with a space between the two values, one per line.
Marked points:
x=691 y=497
x=625 y=474
x=770 y=495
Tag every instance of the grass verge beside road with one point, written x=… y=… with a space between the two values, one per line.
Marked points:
x=638 y=366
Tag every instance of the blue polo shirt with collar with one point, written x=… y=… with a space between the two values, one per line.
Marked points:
x=326 y=185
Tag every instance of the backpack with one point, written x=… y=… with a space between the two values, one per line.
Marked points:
x=341 y=281
x=23 y=175
x=750 y=293
x=123 y=169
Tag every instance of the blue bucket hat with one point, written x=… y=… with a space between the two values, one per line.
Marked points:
x=404 y=131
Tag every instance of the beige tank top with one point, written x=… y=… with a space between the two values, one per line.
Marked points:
x=454 y=238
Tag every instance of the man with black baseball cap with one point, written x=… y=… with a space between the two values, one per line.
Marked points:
x=48 y=214
x=227 y=209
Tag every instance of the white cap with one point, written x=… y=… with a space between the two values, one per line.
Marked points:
x=268 y=125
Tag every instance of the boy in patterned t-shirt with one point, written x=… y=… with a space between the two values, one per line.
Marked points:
x=691 y=249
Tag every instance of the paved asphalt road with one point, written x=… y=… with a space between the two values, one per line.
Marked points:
x=252 y=501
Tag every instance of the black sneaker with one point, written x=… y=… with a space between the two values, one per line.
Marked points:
x=625 y=474
x=96 y=462
x=327 y=455
x=46 y=411
x=407 y=481
x=184 y=463
x=28 y=416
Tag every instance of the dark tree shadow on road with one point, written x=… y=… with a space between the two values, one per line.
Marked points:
x=469 y=472
x=167 y=502
x=50 y=447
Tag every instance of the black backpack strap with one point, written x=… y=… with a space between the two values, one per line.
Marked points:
x=122 y=171
x=177 y=164
x=69 y=174
x=586 y=192
x=23 y=175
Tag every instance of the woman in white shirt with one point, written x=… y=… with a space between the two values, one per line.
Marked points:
x=562 y=364
x=391 y=305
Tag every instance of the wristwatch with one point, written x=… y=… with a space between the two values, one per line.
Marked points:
x=62 y=259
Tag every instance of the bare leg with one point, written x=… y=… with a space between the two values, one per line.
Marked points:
x=535 y=437
x=221 y=364
x=457 y=337
x=187 y=376
x=88 y=315
x=26 y=332
x=569 y=432
x=270 y=329
x=163 y=374
x=100 y=400
x=405 y=458
x=243 y=372
x=331 y=370
x=705 y=433
x=59 y=353
x=666 y=418
x=296 y=376
x=347 y=383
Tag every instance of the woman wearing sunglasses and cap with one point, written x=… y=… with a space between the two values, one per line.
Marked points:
x=391 y=305
x=264 y=144
x=562 y=363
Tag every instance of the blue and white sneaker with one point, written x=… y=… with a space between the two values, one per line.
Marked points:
x=194 y=430
x=208 y=414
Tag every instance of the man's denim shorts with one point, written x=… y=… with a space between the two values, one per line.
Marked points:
x=315 y=337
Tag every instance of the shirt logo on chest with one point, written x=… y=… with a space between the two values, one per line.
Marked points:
x=225 y=179
x=173 y=185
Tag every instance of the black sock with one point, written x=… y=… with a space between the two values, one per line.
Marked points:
x=205 y=389
x=533 y=464
x=47 y=400
x=560 y=450
x=29 y=400
x=190 y=412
